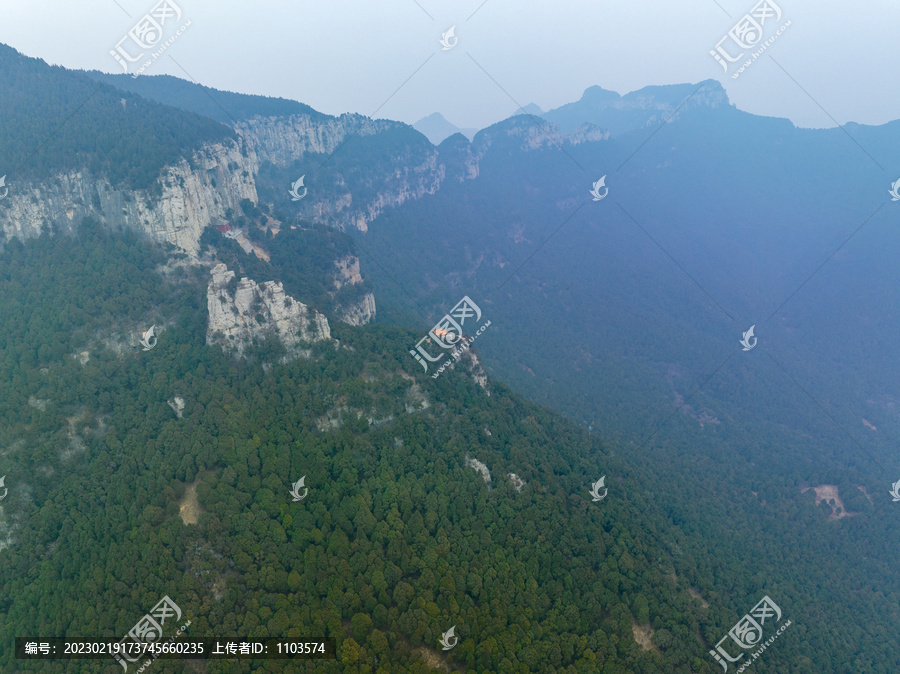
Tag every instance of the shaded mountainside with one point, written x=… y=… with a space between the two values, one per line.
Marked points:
x=626 y=315
x=642 y=109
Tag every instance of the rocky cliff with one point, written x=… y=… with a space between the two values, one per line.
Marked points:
x=188 y=195
x=347 y=273
x=257 y=311
x=184 y=200
x=283 y=140
x=412 y=169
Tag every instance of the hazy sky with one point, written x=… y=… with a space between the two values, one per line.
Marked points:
x=837 y=60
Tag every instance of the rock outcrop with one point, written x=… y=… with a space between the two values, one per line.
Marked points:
x=481 y=468
x=185 y=199
x=475 y=369
x=282 y=141
x=516 y=481
x=361 y=312
x=257 y=311
x=177 y=405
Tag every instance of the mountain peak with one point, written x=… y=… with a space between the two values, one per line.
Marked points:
x=436 y=128
x=597 y=95
x=620 y=114
x=530 y=109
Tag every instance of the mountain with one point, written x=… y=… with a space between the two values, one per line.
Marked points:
x=646 y=108
x=627 y=313
x=142 y=463
x=114 y=501
x=530 y=109
x=448 y=494
x=222 y=106
x=436 y=128
x=89 y=126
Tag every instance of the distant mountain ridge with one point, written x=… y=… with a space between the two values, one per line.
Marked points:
x=637 y=109
x=436 y=128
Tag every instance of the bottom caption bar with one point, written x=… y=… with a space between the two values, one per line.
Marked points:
x=183 y=649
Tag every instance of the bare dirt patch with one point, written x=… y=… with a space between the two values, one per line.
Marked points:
x=829 y=494
x=696 y=595
x=189 y=509
x=863 y=490
x=433 y=660
x=643 y=635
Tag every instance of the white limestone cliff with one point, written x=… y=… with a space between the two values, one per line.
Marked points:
x=184 y=200
x=257 y=311
x=361 y=312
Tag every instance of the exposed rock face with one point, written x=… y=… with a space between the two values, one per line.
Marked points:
x=283 y=140
x=347 y=271
x=479 y=376
x=530 y=134
x=363 y=311
x=177 y=404
x=481 y=468
x=190 y=194
x=257 y=311
x=217 y=178
x=360 y=313
x=516 y=481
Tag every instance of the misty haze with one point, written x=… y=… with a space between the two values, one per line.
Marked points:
x=417 y=337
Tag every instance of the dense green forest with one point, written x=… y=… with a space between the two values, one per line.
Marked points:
x=592 y=317
x=56 y=120
x=398 y=539
x=223 y=106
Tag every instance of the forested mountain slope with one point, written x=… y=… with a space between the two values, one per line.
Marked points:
x=118 y=496
x=398 y=539
x=58 y=120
